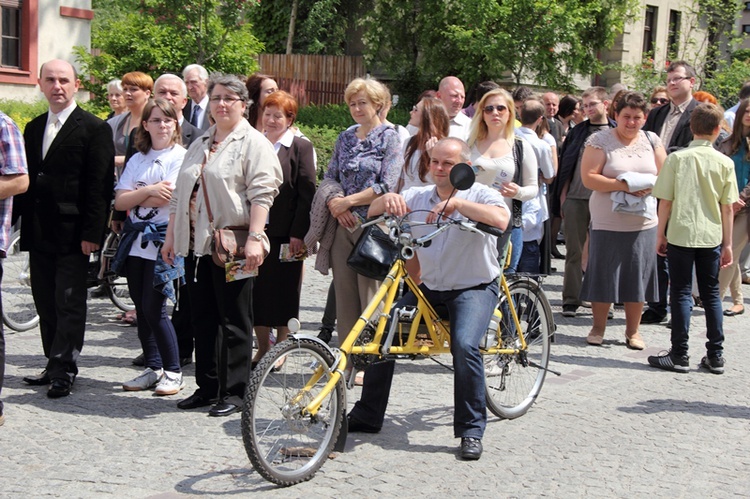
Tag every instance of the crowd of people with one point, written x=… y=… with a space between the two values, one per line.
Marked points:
x=191 y=155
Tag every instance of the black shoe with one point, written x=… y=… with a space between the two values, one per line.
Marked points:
x=139 y=361
x=357 y=426
x=194 y=401
x=223 y=409
x=651 y=317
x=713 y=364
x=471 y=448
x=556 y=253
x=184 y=361
x=325 y=334
x=40 y=380
x=670 y=362
x=569 y=310
x=59 y=388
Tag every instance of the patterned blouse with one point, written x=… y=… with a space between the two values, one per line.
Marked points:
x=373 y=162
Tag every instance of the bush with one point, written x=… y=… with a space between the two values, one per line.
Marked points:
x=323 y=139
x=22 y=112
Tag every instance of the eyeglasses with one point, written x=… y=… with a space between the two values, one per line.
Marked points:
x=160 y=121
x=661 y=101
x=228 y=100
x=677 y=80
x=500 y=108
x=588 y=105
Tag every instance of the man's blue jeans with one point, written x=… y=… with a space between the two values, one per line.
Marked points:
x=706 y=261
x=516 y=240
x=470 y=311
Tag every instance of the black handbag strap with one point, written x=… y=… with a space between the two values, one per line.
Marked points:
x=517 y=205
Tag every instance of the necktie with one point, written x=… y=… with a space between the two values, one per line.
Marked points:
x=196 y=115
x=53 y=126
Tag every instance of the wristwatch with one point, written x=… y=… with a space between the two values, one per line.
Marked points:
x=262 y=238
x=256 y=235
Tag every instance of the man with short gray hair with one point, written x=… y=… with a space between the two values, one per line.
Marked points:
x=172 y=89
x=196 y=79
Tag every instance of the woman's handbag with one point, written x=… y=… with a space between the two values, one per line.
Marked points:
x=228 y=244
x=373 y=254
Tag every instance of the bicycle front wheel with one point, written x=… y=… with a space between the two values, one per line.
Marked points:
x=115 y=285
x=285 y=444
x=19 y=311
x=513 y=382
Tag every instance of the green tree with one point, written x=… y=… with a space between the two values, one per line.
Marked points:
x=538 y=40
x=157 y=36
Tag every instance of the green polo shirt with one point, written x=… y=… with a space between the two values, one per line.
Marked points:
x=697 y=179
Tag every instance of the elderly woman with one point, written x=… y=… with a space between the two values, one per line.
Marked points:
x=137 y=88
x=736 y=147
x=232 y=172
x=366 y=163
x=494 y=149
x=620 y=166
x=276 y=295
x=115 y=98
x=259 y=86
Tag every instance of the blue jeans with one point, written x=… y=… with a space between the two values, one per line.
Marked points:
x=530 y=258
x=516 y=239
x=706 y=262
x=470 y=311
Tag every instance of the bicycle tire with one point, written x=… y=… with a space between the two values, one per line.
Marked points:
x=19 y=311
x=116 y=286
x=513 y=382
x=284 y=445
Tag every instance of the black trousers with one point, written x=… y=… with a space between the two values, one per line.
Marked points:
x=58 y=285
x=181 y=316
x=223 y=324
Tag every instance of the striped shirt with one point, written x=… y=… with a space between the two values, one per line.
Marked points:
x=12 y=162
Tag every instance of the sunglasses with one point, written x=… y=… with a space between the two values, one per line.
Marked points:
x=500 y=108
x=661 y=101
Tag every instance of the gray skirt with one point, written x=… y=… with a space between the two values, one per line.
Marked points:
x=621 y=267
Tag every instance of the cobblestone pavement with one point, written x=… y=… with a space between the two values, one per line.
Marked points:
x=610 y=426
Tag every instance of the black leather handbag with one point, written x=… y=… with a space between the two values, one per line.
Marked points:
x=373 y=254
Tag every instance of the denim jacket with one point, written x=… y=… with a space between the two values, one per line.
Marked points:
x=164 y=274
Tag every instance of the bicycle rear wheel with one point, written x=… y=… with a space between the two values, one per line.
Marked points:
x=115 y=285
x=19 y=311
x=513 y=382
x=285 y=444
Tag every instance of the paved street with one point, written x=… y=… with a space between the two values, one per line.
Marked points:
x=610 y=426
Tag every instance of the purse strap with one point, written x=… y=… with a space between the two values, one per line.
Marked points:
x=205 y=196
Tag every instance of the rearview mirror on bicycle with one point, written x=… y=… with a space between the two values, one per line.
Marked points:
x=462 y=176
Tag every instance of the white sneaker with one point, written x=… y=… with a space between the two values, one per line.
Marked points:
x=146 y=380
x=170 y=384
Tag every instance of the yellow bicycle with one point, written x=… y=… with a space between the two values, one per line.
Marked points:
x=294 y=417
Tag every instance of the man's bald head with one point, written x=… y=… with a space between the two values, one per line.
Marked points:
x=451 y=91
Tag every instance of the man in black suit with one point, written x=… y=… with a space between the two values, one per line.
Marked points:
x=672 y=124
x=71 y=174
x=196 y=111
x=171 y=88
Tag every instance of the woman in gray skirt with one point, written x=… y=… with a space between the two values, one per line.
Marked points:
x=620 y=165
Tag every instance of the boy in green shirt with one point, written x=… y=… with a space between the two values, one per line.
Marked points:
x=697 y=187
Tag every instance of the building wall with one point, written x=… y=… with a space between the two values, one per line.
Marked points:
x=49 y=30
x=743 y=25
x=689 y=40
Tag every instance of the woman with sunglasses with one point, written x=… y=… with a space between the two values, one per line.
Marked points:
x=493 y=154
x=659 y=97
x=145 y=190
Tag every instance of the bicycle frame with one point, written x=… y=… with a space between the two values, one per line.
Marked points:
x=437 y=329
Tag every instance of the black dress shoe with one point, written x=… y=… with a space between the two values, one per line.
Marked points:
x=651 y=317
x=223 y=409
x=185 y=361
x=731 y=313
x=139 y=361
x=59 y=388
x=40 y=380
x=359 y=426
x=194 y=401
x=471 y=448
